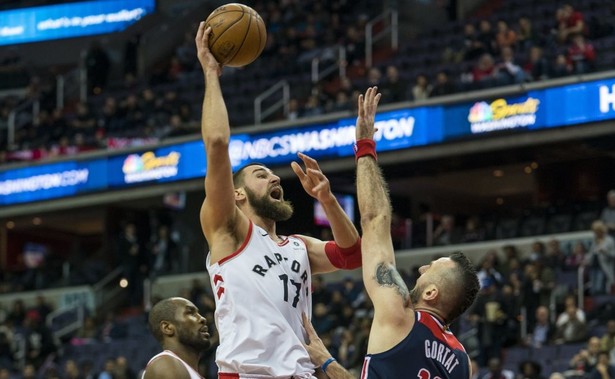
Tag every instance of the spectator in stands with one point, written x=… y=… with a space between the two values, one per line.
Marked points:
x=322 y=320
x=111 y=328
x=71 y=370
x=607 y=342
x=527 y=37
x=486 y=36
x=446 y=233
x=508 y=71
x=586 y=359
x=421 y=89
x=443 y=85
x=28 y=372
x=163 y=250
x=472 y=46
x=108 y=369
x=543 y=330
x=537 y=252
x=487 y=314
x=42 y=307
x=5 y=373
x=342 y=102
x=571 y=326
x=89 y=329
x=122 y=369
x=82 y=121
x=581 y=54
x=488 y=274
x=496 y=371
x=576 y=257
x=393 y=89
x=484 y=73
x=131 y=256
x=312 y=107
x=554 y=256
x=505 y=36
x=600 y=260
x=511 y=310
x=474 y=369
x=570 y=22
x=39 y=340
x=7 y=346
x=537 y=66
x=97 y=64
x=608 y=213
x=87 y=369
x=530 y=369
x=17 y=314
x=320 y=292
x=561 y=66
x=603 y=369
x=472 y=232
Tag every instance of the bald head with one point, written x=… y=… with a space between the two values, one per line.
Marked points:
x=164 y=310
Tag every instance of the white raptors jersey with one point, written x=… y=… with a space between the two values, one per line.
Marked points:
x=191 y=371
x=261 y=290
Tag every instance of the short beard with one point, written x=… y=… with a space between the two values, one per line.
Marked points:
x=196 y=342
x=269 y=209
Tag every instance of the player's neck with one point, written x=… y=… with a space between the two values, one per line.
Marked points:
x=186 y=354
x=432 y=311
x=267 y=224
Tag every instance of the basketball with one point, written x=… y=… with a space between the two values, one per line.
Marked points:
x=238 y=34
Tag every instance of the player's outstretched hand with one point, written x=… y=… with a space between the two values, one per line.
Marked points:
x=367 y=103
x=314 y=182
x=208 y=62
x=314 y=346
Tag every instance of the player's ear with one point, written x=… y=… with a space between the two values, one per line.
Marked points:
x=430 y=293
x=167 y=328
x=240 y=194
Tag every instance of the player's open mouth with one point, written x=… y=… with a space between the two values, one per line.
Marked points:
x=276 y=193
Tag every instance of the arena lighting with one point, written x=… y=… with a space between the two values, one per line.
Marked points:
x=123 y=283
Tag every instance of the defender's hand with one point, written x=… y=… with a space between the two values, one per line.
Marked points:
x=367 y=104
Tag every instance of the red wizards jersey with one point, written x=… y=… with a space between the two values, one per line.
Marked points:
x=429 y=351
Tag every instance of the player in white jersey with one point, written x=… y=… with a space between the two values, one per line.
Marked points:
x=261 y=280
x=182 y=332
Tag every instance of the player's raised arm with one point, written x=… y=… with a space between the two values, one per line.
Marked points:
x=345 y=251
x=219 y=209
x=383 y=283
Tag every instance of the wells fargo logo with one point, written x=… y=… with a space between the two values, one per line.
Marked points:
x=500 y=115
x=140 y=168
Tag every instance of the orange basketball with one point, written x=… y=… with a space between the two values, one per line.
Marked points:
x=238 y=34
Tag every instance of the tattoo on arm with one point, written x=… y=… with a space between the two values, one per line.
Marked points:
x=387 y=276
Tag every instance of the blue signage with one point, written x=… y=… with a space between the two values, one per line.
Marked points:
x=52 y=181
x=168 y=164
x=399 y=129
x=71 y=20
